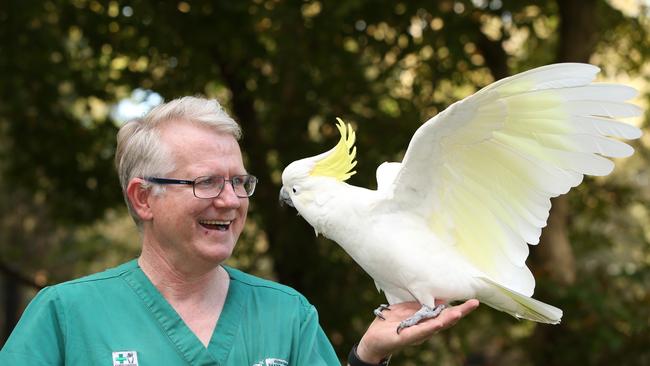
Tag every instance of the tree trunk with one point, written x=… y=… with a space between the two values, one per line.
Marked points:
x=278 y=230
x=11 y=302
x=553 y=257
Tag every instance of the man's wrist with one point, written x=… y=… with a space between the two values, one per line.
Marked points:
x=354 y=359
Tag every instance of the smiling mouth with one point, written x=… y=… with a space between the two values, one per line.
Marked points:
x=215 y=224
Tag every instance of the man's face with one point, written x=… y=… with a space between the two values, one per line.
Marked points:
x=183 y=226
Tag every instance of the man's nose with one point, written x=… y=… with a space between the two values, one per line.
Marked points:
x=227 y=197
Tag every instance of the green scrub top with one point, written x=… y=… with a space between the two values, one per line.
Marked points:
x=118 y=317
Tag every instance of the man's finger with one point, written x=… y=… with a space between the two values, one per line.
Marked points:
x=467 y=307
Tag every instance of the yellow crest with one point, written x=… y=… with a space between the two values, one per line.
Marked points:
x=339 y=161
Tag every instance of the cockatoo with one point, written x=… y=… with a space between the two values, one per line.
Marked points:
x=453 y=220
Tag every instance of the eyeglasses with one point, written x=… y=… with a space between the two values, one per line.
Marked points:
x=211 y=187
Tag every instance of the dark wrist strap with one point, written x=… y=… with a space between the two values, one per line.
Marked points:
x=354 y=360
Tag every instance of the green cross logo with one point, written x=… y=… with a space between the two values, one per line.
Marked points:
x=125 y=358
x=120 y=358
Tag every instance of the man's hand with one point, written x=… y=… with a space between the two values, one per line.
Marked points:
x=381 y=339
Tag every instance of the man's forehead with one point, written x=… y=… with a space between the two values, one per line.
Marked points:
x=186 y=134
x=198 y=149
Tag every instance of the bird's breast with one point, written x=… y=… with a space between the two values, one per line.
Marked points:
x=401 y=251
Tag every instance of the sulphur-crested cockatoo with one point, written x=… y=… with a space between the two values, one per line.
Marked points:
x=453 y=219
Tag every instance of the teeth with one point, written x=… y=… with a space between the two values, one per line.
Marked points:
x=215 y=222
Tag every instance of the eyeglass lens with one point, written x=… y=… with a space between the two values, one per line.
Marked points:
x=210 y=187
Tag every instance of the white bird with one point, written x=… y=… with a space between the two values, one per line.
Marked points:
x=453 y=220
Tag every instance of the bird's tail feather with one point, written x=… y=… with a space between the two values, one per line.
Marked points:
x=518 y=305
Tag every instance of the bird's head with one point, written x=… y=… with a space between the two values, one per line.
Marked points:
x=302 y=177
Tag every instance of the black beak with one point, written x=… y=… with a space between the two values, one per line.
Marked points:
x=284 y=198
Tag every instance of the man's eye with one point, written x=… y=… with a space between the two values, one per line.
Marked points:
x=238 y=180
x=206 y=182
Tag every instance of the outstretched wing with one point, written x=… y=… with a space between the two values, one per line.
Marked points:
x=483 y=171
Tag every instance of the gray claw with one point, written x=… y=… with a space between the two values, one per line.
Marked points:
x=378 y=311
x=425 y=312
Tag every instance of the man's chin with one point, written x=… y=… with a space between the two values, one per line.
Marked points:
x=217 y=252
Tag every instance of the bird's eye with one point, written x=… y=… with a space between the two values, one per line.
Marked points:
x=294 y=189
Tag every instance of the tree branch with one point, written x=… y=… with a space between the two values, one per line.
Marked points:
x=16 y=276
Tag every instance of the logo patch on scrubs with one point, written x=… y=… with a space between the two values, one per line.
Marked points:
x=272 y=362
x=125 y=358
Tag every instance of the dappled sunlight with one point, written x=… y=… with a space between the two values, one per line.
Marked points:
x=75 y=71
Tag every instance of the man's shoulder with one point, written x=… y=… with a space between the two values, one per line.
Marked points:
x=84 y=289
x=264 y=286
x=96 y=278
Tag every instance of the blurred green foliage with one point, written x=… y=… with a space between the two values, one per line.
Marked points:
x=285 y=70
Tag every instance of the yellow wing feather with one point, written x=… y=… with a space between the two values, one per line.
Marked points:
x=339 y=162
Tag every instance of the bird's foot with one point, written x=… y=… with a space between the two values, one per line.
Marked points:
x=378 y=311
x=425 y=312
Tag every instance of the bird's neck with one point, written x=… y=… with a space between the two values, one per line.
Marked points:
x=332 y=208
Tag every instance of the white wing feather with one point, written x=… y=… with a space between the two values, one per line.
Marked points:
x=484 y=170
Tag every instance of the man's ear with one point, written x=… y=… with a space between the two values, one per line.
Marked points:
x=138 y=196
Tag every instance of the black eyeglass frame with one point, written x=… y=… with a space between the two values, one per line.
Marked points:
x=252 y=179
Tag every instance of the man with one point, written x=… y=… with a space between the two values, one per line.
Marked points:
x=185 y=185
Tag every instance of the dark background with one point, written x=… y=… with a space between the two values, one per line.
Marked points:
x=285 y=70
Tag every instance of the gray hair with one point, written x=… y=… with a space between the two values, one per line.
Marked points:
x=140 y=151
